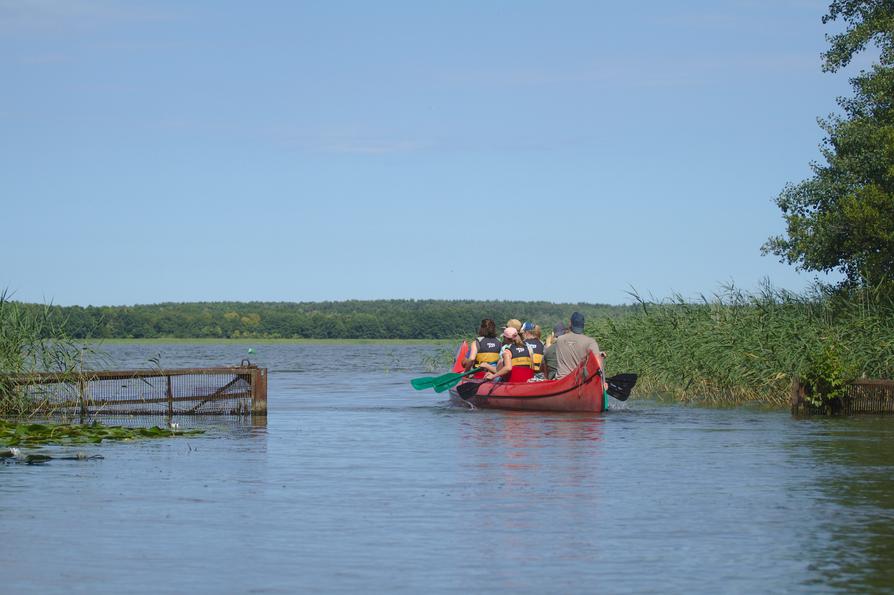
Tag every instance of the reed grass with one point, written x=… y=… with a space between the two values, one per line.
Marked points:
x=746 y=347
x=32 y=340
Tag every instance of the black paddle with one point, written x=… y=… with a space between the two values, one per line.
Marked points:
x=619 y=386
x=467 y=390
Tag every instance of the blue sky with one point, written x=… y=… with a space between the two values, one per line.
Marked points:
x=286 y=150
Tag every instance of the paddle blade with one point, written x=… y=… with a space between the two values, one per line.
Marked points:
x=620 y=386
x=423 y=383
x=432 y=381
x=468 y=390
x=447 y=385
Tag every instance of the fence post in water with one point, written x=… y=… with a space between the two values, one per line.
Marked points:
x=259 y=391
x=796 y=394
x=170 y=397
x=82 y=393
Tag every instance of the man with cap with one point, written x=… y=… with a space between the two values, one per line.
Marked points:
x=573 y=346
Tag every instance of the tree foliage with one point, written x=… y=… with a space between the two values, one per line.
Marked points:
x=842 y=218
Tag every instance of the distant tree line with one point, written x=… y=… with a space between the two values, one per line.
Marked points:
x=379 y=319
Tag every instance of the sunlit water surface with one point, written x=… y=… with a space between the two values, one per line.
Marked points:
x=358 y=483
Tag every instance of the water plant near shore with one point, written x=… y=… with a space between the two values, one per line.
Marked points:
x=35 y=435
x=739 y=346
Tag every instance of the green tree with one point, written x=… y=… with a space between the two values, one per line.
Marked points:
x=842 y=218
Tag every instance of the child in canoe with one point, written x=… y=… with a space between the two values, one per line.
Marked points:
x=517 y=361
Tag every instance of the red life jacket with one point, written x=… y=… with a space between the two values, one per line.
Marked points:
x=522 y=364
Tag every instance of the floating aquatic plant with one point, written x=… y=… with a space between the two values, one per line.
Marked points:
x=35 y=435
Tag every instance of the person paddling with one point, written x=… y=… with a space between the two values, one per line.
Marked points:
x=511 y=323
x=531 y=334
x=573 y=346
x=516 y=365
x=485 y=351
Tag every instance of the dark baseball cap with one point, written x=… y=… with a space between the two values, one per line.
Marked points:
x=577 y=322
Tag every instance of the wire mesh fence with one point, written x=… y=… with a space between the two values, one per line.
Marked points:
x=862 y=397
x=238 y=390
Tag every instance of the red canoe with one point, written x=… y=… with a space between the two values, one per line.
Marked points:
x=579 y=391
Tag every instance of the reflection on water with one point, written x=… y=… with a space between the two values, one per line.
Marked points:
x=854 y=540
x=358 y=483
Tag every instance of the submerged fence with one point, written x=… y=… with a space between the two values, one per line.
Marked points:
x=238 y=390
x=863 y=396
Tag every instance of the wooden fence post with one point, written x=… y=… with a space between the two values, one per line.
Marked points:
x=259 y=391
x=82 y=393
x=170 y=396
x=796 y=394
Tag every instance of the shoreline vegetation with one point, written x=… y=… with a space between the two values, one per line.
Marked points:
x=738 y=347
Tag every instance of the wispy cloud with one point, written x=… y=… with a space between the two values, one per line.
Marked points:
x=642 y=72
x=371 y=147
x=336 y=140
x=356 y=142
x=732 y=14
x=711 y=20
x=25 y=16
x=53 y=58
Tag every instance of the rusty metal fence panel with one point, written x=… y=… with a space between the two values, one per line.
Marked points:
x=863 y=397
x=190 y=391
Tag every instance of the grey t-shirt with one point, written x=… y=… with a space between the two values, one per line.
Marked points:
x=571 y=350
x=549 y=356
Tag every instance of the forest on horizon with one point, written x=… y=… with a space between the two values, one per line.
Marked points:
x=354 y=319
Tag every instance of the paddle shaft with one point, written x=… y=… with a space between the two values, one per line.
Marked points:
x=450 y=383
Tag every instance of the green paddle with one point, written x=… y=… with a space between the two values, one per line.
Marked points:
x=427 y=381
x=435 y=382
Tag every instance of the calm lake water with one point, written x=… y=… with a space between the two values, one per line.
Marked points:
x=358 y=483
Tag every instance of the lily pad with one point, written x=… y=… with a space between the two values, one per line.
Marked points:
x=36 y=435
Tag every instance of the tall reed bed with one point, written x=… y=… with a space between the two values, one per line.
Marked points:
x=737 y=346
x=31 y=340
